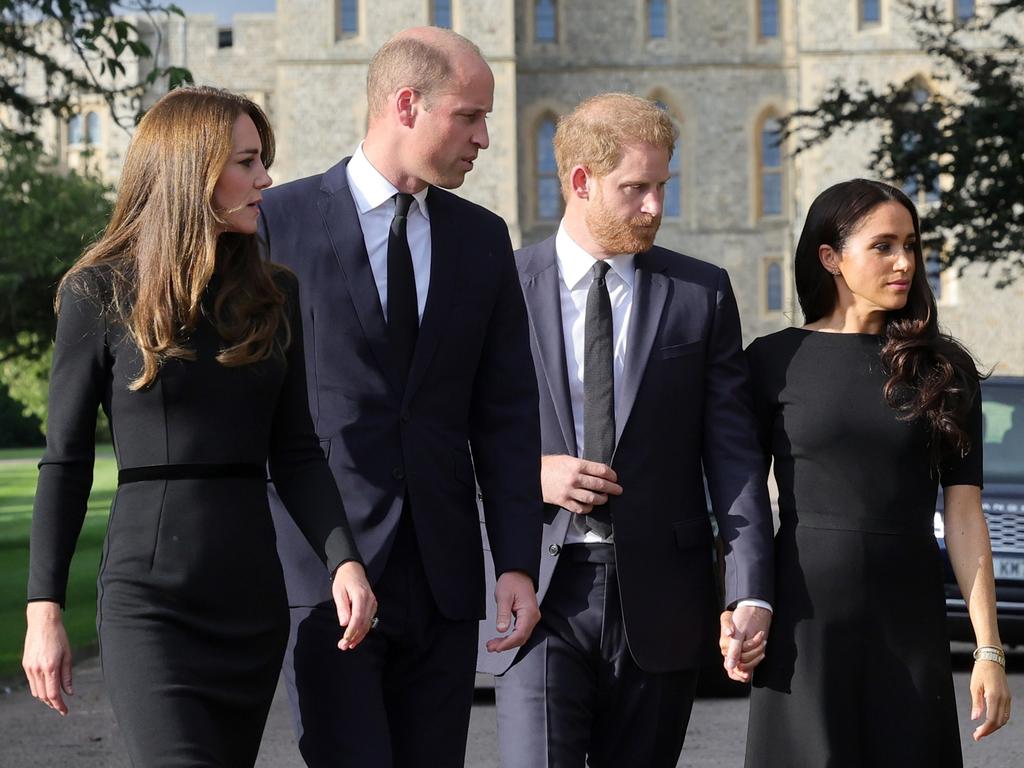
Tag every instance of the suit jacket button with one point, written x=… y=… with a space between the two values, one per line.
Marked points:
x=398 y=473
x=405 y=417
x=554 y=549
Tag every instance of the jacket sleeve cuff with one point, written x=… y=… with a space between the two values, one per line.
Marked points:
x=756 y=603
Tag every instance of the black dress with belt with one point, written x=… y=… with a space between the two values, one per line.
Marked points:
x=192 y=613
x=857 y=671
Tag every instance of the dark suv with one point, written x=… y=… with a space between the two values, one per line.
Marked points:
x=1003 y=503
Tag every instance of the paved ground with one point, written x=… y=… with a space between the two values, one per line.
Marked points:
x=32 y=736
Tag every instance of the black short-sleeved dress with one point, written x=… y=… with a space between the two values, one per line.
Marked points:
x=192 y=612
x=857 y=672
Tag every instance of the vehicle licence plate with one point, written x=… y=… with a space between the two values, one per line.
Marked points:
x=1011 y=568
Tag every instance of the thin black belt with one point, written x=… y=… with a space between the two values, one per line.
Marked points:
x=189 y=472
x=913 y=525
x=587 y=552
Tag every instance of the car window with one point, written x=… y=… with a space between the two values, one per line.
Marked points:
x=1003 y=432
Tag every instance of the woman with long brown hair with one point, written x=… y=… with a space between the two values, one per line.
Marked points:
x=192 y=344
x=866 y=410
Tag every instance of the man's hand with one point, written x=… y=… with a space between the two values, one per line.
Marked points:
x=516 y=597
x=744 y=640
x=356 y=604
x=575 y=484
x=47 y=656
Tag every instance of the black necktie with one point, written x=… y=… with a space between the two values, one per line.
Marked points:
x=403 y=308
x=598 y=387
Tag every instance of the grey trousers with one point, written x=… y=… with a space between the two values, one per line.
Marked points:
x=575 y=696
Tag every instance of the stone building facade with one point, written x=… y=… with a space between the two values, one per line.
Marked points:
x=724 y=70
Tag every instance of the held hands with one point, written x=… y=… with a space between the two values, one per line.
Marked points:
x=576 y=484
x=515 y=596
x=356 y=604
x=744 y=640
x=990 y=694
x=47 y=656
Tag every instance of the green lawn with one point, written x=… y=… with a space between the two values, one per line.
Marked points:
x=20 y=453
x=17 y=488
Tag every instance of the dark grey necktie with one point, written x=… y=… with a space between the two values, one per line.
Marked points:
x=598 y=388
x=403 y=308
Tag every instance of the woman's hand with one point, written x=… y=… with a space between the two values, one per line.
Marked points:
x=990 y=695
x=751 y=652
x=357 y=607
x=47 y=657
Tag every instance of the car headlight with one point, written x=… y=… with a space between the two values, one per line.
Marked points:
x=940 y=526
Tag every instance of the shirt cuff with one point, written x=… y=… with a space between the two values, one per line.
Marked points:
x=756 y=603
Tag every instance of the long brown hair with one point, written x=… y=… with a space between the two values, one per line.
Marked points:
x=930 y=374
x=161 y=247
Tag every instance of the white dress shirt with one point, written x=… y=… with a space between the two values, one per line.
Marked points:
x=574 y=269
x=373 y=195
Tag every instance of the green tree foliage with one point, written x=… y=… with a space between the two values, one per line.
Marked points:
x=17 y=430
x=79 y=46
x=962 y=142
x=46 y=220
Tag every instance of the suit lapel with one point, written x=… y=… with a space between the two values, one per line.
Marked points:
x=341 y=219
x=543 y=299
x=650 y=292
x=445 y=256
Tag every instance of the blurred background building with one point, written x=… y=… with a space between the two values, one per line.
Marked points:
x=724 y=69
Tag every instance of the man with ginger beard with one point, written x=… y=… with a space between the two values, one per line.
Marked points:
x=642 y=385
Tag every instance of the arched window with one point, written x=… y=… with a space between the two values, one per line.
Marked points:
x=75 y=129
x=657 y=19
x=773 y=286
x=441 y=13
x=964 y=10
x=549 y=195
x=870 y=12
x=768 y=23
x=770 y=168
x=923 y=188
x=348 y=18
x=92 y=128
x=673 y=189
x=545 y=21
x=933 y=268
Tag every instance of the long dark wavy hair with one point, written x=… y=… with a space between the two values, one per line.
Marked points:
x=931 y=376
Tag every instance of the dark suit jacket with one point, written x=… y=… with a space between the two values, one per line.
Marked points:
x=471 y=384
x=687 y=405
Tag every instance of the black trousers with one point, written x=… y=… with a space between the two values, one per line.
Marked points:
x=576 y=697
x=402 y=699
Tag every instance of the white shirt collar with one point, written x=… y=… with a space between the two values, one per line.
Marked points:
x=574 y=263
x=370 y=189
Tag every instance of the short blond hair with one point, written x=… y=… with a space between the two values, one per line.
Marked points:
x=594 y=134
x=426 y=65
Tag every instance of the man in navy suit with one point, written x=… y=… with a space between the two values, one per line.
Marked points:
x=420 y=384
x=643 y=391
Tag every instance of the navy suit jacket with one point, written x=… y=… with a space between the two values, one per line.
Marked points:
x=686 y=412
x=469 y=405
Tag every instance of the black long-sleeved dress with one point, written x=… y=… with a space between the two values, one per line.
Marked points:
x=857 y=671
x=192 y=613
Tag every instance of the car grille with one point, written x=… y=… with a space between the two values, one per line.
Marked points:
x=1006 y=532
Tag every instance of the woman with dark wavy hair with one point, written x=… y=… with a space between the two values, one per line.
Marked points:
x=192 y=344
x=866 y=410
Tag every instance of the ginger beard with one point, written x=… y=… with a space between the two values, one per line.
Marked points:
x=616 y=234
